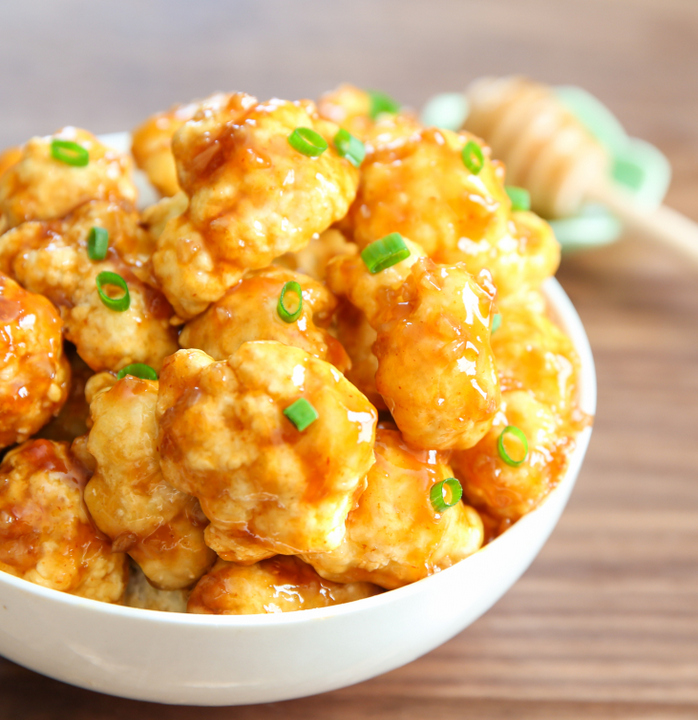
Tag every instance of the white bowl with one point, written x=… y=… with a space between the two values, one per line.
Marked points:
x=235 y=660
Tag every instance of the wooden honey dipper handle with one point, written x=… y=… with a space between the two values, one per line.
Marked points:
x=663 y=224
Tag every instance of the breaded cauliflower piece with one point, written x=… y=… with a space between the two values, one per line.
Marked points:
x=248 y=311
x=531 y=352
x=394 y=535
x=313 y=258
x=252 y=196
x=141 y=594
x=266 y=487
x=436 y=369
x=280 y=584
x=420 y=187
x=507 y=492
x=160 y=527
x=353 y=109
x=40 y=187
x=34 y=373
x=151 y=146
x=46 y=535
x=50 y=257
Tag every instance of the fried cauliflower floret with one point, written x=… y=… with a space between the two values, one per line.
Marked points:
x=141 y=594
x=313 y=258
x=252 y=196
x=34 y=373
x=160 y=527
x=40 y=187
x=249 y=311
x=151 y=146
x=531 y=352
x=436 y=369
x=395 y=536
x=280 y=584
x=420 y=187
x=356 y=110
x=46 y=535
x=50 y=257
x=266 y=487
x=507 y=492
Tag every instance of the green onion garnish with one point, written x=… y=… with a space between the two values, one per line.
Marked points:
x=301 y=413
x=384 y=253
x=436 y=495
x=472 y=157
x=520 y=198
x=307 y=141
x=519 y=435
x=350 y=147
x=139 y=370
x=97 y=243
x=382 y=103
x=118 y=304
x=69 y=152
x=496 y=322
x=285 y=314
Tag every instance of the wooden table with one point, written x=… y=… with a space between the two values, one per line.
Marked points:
x=605 y=623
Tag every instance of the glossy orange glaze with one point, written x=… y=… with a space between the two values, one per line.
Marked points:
x=253 y=197
x=249 y=311
x=280 y=584
x=266 y=487
x=395 y=536
x=34 y=373
x=46 y=534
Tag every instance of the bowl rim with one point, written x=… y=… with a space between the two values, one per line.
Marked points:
x=565 y=315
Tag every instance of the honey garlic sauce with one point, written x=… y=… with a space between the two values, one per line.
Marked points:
x=46 y=533
x=436 y=369
x=35 y=376
x=395 y=535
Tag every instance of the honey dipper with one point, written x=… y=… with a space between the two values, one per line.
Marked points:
x=548 y=151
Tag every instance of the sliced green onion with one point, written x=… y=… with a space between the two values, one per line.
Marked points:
x=384 y=253
x=436 y=495
x=285 y=314
x=350 y=147
x=382 y=103
x=118 y=304
x=520 y=198
x=139 y=370
x=69 y=152
x=301 y=413
x=472 y=157
x=496 y=322
x=307 y=141
x=519 y=435
x=97 y=243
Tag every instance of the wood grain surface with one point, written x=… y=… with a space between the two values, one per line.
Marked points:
x=605 y=623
